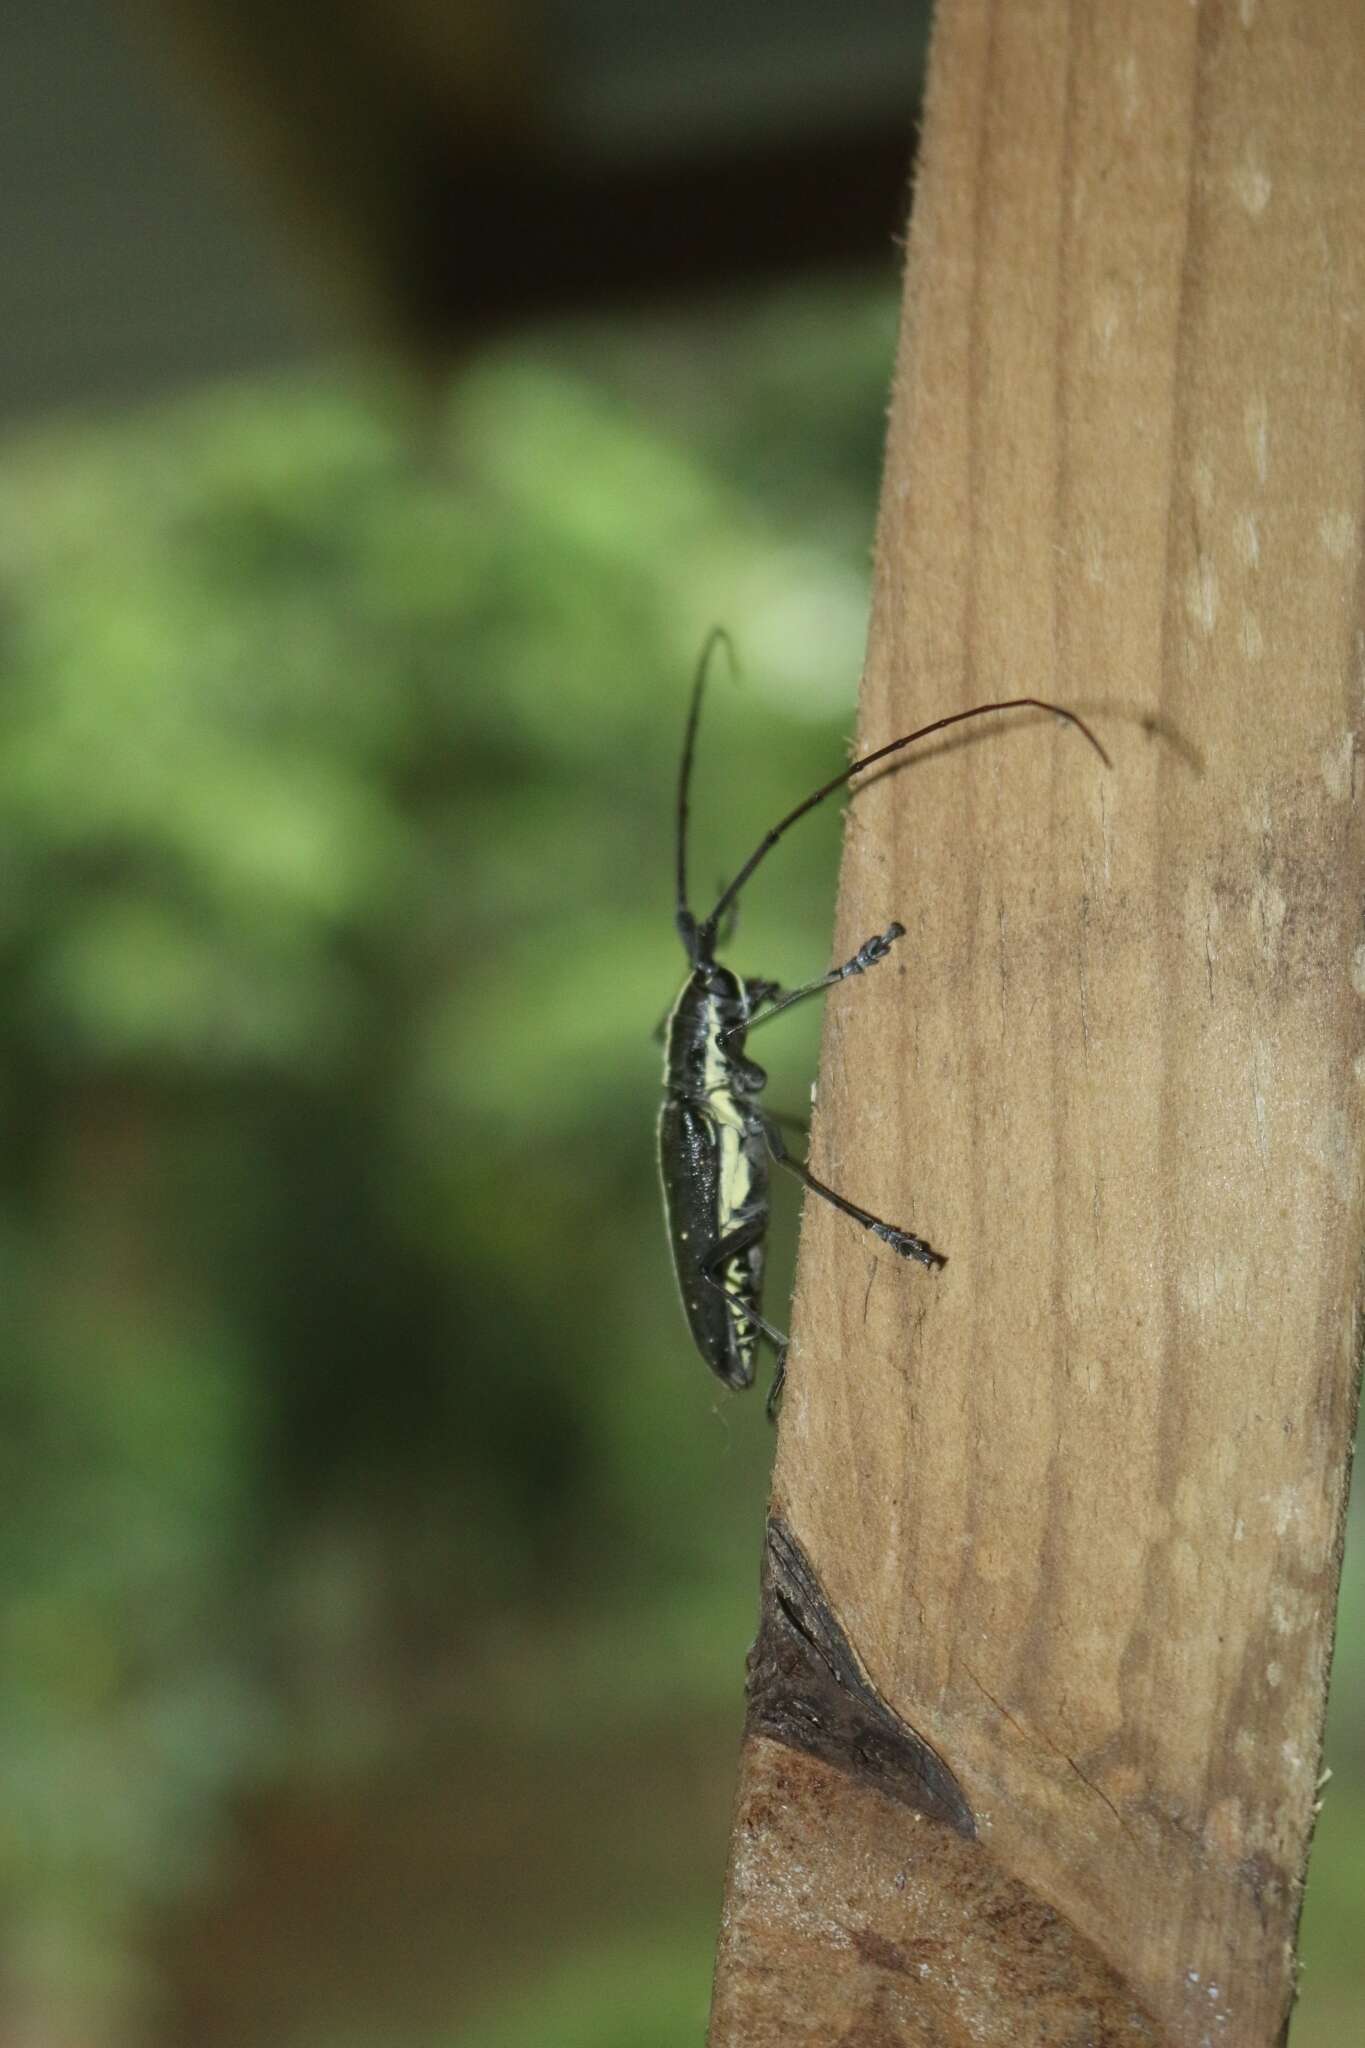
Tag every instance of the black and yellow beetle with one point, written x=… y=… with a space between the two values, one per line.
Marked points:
x=715 y=1140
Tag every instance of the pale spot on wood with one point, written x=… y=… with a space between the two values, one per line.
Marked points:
x=1092 y=556
x=1230 y=1274
x=1104 y=317
x=1248 y=536
x=1247 y=11
x=1338 y=530
x=1257 y=422
x=1338 y=764
x=1201 y=595
x=1290 y=1611
x=1358 y=970
x=1129 y=97
x=1286 y=1508
x=1252 y=187
x=1253 y=640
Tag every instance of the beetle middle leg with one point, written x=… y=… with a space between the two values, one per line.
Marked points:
x=903 y=1241
x=733 y=1246
x=730 y=1246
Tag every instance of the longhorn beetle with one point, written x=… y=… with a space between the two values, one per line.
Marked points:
x=714 y=1139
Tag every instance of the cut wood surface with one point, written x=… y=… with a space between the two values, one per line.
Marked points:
x=1074 y=1505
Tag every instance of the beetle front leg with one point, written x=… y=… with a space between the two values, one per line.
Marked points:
x=868 y=954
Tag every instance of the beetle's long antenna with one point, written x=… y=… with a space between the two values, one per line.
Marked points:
x=706 y=932
x=687 y=924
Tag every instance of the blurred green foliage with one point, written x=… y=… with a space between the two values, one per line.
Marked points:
x=352 y=1446
x=337 y=743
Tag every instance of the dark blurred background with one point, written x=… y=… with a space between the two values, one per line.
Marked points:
x=391 y=399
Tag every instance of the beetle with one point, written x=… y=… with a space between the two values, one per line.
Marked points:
x=715 y=1140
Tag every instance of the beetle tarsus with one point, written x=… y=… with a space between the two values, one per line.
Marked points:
x=908 y=1245
x=872 y=950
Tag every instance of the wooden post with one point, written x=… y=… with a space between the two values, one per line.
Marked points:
x=1036 y=1708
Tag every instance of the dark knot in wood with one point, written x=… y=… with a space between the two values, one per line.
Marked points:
x=808 y=1690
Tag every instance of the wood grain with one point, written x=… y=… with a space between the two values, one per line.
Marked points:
x=1077 y=1501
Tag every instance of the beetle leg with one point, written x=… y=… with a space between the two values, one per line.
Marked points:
x=733 y=1246
x=903 y=1241
x=868 y=954
x=729 y=1247
x=757 y=991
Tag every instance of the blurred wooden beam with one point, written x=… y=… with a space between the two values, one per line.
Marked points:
x=440 y=170
x=1036 y=1709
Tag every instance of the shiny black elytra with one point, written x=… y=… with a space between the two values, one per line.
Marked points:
x=715 y=1141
